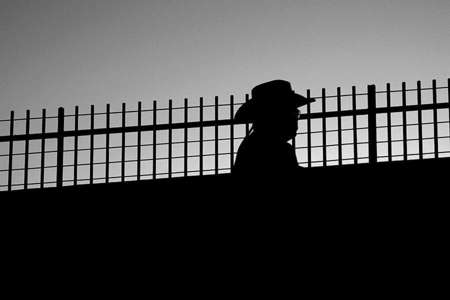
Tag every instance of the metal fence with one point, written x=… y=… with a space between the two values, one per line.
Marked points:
x=200 y=137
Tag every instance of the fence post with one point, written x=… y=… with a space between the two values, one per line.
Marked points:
x=448 y=101
x=231 y=132
x=419 y=117
x=389 y=120
x=44 y=116
x=91 y=148
x=247 y=125
x=324 y=128
x=216 y=135
x=169 y=162
x=372 y=120
x=154 y=144
x=60 y=148
x=139 y=140
x=11 y=151
x=435 y=122
x=186 y=143
x=201 y=137
x=108 y=124
x=339 y=102
x=75 y=146
x=355 y=127
x=404 y=123
x=308 y=128
x=27 y=150
x=123 y=165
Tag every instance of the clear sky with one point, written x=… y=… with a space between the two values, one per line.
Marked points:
x=80 y=52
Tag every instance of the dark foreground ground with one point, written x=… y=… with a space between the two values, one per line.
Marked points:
x=386 y=192
x=392 y=183
x=388 y=218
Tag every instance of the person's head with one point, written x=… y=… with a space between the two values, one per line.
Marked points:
x=273 y=109
x=280 y=123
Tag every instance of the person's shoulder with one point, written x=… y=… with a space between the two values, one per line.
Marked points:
x=248 y=144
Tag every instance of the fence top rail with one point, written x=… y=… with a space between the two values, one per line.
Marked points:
x=225 y=104
x=210 y=123
x=221 y=139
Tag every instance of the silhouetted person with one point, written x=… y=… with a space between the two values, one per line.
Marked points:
x=265 y=153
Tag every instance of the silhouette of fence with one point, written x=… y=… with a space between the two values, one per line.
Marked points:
x=194 y=140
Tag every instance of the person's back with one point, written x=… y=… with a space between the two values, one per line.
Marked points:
x=261 y=158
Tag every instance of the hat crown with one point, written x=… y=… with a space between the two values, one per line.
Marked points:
x=272 y=88
x=270 y=97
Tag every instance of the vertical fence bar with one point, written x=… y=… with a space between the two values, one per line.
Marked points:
x=324 y=128
x=419 y=117
x=405 y=127
x=43 y=129
x=60 y=149
x=91 y=149
x=435 y=123
x=339 y=126
x=75 y=151
x=216 y=135
x=154 y=140
x=108 y=124
x=355 y=127
x=186 y=142
x=11 y=150
x=247 y=125
x=123 y=142
x=372 y=122
x=170 y=140
x=448 y=101
x=308 y=128
x=231 y=132
x=294 y=142
x=389 y=120
x=201 y=137
x=139 y=140
x=27 y=149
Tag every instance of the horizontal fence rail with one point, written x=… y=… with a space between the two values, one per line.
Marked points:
x=201 y=138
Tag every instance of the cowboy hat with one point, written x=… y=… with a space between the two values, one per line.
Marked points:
x=269 y=97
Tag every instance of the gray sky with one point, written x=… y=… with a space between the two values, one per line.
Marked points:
x=80 y=52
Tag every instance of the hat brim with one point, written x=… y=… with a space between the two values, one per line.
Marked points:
x=247 y=111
